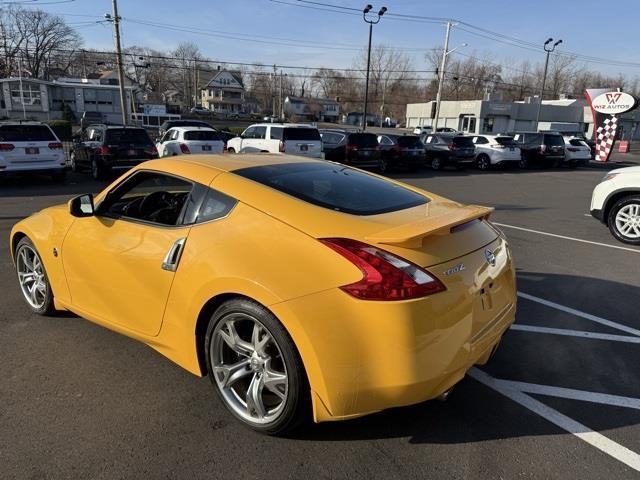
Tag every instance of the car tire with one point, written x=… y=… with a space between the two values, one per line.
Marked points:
x=524 y=163
x=97 y=170
x=436 y=163
x=231 y=150
x=233 y=349
x=33 y=279
x=74 y=164
x=383 y=166
x=624 y=220
x=483 y=162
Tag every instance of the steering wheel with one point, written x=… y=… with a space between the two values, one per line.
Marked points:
x=155 y=202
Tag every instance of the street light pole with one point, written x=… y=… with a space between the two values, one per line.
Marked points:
x=371 y=23
x=443 y=65
x=544 y=75
x=115 y=19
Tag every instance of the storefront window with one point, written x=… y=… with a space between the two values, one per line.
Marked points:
x=30 y=94
x=487 y=125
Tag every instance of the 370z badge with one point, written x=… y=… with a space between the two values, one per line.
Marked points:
x=458 y=268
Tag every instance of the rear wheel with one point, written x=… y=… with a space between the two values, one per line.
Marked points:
x=33 y=279
x=523 y=163
x=436 y=163
x=255 y=368
x=383 y=165
x=231 y=150
x=74 y=163
x=483 y=162
x=98 y=170
x=624 y=220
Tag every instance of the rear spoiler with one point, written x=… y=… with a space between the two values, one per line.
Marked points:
x=411 y=234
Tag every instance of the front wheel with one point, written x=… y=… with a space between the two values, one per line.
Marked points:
x=34 y=283
x=255 y=368
x=436 y=164
x=231 y=150
x=624 y=220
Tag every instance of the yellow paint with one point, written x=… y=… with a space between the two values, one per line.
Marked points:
x=360 y=356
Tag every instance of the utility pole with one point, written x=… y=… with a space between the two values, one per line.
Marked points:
x=443 y=65
x=195 y=83
x=273 y=93
x=544 y=75
x=115 y=19
x=281 y=98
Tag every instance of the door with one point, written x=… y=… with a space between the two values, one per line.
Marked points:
x=120 y=263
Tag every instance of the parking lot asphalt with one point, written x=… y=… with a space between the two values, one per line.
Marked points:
x=561 y=398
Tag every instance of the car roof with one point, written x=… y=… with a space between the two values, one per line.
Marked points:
x=190 y=128
x=287 y=125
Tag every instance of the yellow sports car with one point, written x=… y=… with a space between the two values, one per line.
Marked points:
x=303 y=288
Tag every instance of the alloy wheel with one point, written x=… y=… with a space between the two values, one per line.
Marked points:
x=32 y=278
x=436 y=164
x=483 y=162
x=249 y=369
x=628 y=221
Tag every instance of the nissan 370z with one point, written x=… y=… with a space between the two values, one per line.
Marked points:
x=302 y=288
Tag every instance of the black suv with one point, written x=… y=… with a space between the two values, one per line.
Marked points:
x=102 y=148
x=357 y=149
x=540 y=148
x=400 y=150
x=444 y=149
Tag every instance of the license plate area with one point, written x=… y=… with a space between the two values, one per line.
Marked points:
x=131 y=153
x=32 y=150
x=206 y=148
x=304 y=148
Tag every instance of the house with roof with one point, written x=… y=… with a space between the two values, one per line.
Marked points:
x=312 y=109
x=224 y=93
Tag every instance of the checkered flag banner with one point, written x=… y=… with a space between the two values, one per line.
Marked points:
x=605 y=135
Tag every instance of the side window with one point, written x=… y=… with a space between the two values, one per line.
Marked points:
x=215 y=205
x=275 y=133
x=174 y=134
x=96 y=135
x=149 y=197
x=385 y=140
x=480 y=140
x=260 y=132
x=249 y=132
x=165 y=137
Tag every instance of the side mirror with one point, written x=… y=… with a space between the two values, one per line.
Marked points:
x=82 y=206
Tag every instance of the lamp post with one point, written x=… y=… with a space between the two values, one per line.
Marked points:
x=371 y=23
x=443 y=65
x=544 y=75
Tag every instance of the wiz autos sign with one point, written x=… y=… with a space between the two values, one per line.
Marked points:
x=606 y=105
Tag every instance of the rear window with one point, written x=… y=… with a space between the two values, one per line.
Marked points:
x=26 y=133
x=576 y=142
x=128 y=136
x=507 y=141
x=463 y=142
x=554 y=140
x=301 y=134
x=341 y=189
x=365 y=140
x=201 y=135
x=409 y=142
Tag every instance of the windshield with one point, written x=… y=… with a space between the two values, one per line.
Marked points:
x=136 y=136
x=301 y=134
x=337 y=188
x=26 y=133
x=201 y=135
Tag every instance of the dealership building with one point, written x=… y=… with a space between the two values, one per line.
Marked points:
x=493 y=116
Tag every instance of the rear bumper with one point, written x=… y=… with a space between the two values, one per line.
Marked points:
x=33 y=167
x=362 y=357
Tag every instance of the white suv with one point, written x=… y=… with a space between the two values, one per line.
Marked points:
x=185 y=140
x=616 y=203
x=422 y=130
x=495 y=150
x=30 y=147
x=289 y=138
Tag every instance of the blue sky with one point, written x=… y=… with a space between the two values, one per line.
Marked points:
x=587 y=27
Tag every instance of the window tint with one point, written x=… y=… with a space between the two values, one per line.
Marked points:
x=174 y=134
x=337 y=188
x=275 y=133
x=201 y=135
x=410 y=142
x=553 y=140
x=301 y=134
x=215 y=205
x=136 y=136
x=259 y=132
x=480 y=140
x=577 y=143
x=26 y=133
x=148 y=196
x=462 y=141
x=364 y=140
x=384 y=140
x=506 y=141
x=249 y=132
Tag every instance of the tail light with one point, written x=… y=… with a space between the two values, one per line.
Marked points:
x=184 y=148
x=452 y=146
x=499 y=146
x=104 y=150
x=55 y=146
x=6 y=147
x=281 y=147
x=385 y=276
x=573 y=149
x=351 y=147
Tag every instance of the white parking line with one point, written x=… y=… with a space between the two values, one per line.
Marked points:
x=595 y=439
x=571 y=394
x=617 y=247
x=575 y=333
x=578 y=313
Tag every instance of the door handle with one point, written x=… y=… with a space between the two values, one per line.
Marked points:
x=172 y=258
